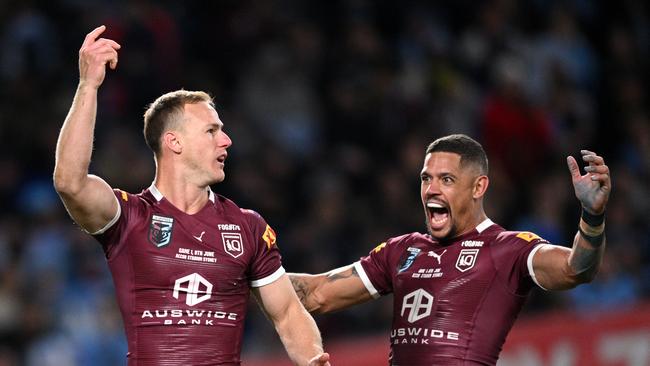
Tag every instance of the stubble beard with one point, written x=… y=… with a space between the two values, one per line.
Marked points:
x=450 y=234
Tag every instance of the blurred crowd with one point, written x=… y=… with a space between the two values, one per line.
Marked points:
x=330 y=106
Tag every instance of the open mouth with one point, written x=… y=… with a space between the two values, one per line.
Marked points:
x=222 y=158
x=438 y=214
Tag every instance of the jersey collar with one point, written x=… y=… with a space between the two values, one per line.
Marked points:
x=484 y=225
x=158 y=196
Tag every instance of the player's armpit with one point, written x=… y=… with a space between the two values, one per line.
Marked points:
x=331 y=291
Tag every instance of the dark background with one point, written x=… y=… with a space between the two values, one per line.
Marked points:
x=330 y=106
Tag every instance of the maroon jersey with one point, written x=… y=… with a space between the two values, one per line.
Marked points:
x=453 y=302
x=183 y=281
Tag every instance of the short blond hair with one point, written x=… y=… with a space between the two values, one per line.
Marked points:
x=166 y=112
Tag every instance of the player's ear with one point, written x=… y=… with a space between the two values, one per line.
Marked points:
x=171 y=140
x=481 y=184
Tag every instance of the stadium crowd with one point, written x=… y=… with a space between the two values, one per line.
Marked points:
x=330 y=106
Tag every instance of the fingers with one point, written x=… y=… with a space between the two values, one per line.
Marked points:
x=92 y=36
x=597 y=170
x=103 y=42
x=573 y=167
x=592 y=158
x=104 y=56
x=102 y=50
x=321 y=359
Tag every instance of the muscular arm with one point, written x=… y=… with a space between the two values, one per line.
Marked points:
x=294 y=325
x=558 y=268
x=88 y=198
x=331 y=291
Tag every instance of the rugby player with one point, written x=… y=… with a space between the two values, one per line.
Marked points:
x=183 y=259
x=457 y=290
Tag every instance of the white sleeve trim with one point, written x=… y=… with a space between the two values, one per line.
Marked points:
x=530 y=264
x=268 y=279
x=110 y=223
x=366 y=281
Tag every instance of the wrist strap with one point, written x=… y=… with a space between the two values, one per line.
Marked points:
x=596 y=241
x=592 y=227
x=592 y=220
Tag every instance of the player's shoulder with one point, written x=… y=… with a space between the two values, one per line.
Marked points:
x=232 y=209
x=143 y=198
x=518 y=237
x=407 y=239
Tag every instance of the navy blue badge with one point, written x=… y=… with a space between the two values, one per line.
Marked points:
x=408 y=261
x=160 y=230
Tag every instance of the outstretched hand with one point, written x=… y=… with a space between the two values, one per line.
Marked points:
x=94 y=54
x=322 y=359
x=592 y=188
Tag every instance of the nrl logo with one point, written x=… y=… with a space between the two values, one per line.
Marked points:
x=160 y=230
x=466 y=259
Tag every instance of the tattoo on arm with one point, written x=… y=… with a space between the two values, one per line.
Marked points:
x=301 y=288
x=585 y=259
x=342 y=275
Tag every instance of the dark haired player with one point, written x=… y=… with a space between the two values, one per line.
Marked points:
x=183 y=259
x=458 y=289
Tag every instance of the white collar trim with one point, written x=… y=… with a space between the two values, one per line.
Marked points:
x=484 y=225
x=158 y=196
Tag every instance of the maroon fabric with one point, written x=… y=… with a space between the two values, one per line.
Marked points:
x=456 y=311
x=183 y=300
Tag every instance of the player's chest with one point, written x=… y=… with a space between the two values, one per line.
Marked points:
x=216 y=244
x=436 y=268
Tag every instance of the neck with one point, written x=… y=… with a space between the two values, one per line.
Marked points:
x=474 y=221
x=180 y=191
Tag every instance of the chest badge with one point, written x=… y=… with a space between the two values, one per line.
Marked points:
x=466 y=259
x=233 y=244
x=160 y=230
x=408 y=261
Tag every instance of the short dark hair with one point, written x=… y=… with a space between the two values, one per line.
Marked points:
x=470 y=151
x=166 y=112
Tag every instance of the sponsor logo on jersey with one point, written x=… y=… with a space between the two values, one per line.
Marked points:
x=125 y=196
x=410 y=258
x=528 y=236
x=414 y=335
x=418 y=304
x=233 y=244
x=191 y=285
x=466 y=259
x=379 y=247
x=160 y=230
x=472 y=243
x=229 y=227
x=269 y=237
x=436 y=256
x=197 y=290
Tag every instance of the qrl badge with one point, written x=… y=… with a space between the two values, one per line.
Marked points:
x=160 y=230
x=466 y=259
x=232 y=244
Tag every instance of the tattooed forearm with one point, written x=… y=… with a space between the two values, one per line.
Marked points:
x=350 y=272
x=301 y=288
x=585 y=258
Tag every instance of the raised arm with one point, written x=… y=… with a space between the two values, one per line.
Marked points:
x=294 y=325
x=331 y=291
x=558 y=268
x=88 y=198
